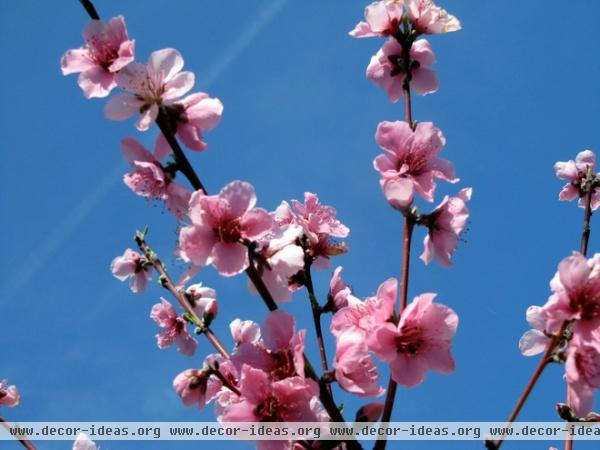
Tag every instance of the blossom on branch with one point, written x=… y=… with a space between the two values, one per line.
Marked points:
x=9 y=395
x=203 y=300
x=149 y=179
x=319 y=225
x=387 y=69
x=108 y=49
x=428 y=18
x=175 y=332
x=222 y=227
x=536 y=340
x=275 y=347
x=583 y=372
x=421 y=341
x=133 y=266
x=446 y=224
x=189 y=117
x=264 y=400
x=576 y=295
x=281 y=258
x=382 y=19
x=581 y=176
x=410 y=162
x=364 y=316
x=148 y=86
x=355 y=370
x=340 y=295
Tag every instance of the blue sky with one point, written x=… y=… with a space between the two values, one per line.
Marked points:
x=519 y=91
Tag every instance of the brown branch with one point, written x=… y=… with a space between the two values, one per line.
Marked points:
x=168 y=284
x=89 y=8
x=26 y=443
x=392 y=385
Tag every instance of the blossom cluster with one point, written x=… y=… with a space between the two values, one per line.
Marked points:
x=567 y=327
x=266 y=375
x=571 y=315
x=410 y=163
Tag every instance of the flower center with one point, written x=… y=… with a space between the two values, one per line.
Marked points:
x=283 y=363
x=587 y=304
x=269 y=410
x=230 y=231
x=410 y=340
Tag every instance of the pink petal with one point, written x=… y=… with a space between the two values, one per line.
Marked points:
x=122 y=106
x=533 y=342
x=76 y=60
x=147 y=118
x=205 y=114
x=394 y=137
x=178 y=85
x=424 y=81
x=361 y=30
x=165 y=63
x=196 y=244
x=399 y=193
x=382 y=341
x=408 y=370
x=133 y=151
x=277 y=330
x=230 y=259
x=240 y=196
x=256 y=223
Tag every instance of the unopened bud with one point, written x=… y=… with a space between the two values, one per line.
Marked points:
x=369 y=412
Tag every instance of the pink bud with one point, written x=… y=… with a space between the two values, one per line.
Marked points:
x=370 y=412
x=9 y=395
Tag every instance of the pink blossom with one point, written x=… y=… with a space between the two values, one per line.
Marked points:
x=536 y=340
x=364 y=317
x=150 y=180
x=382 y=19
x=204 y=300
x=83 y=442
x=420 y=341
x=191 y=387
x=107 y=50
x=319 y=224
x=355 y=371
x=371 y=412
x=133 y=266
x=410 y=162
x=575 y=173
x=245 y=331
x=282 y=258
x=191 y=116
x=446 y=223
x=222 y=226
x=276 y=349
x=428 y=18
x=175 y=329
x=576 y=295
x=583 y=372
x=264 y=400
x=9 y=395
x=340 y=295
x=386 y=69
x=158 y=82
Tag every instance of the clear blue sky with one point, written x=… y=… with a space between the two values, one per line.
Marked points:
x=519 y=91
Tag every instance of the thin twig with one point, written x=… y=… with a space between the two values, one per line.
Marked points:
x=26 y=443
x=167 y=283
x=392 y=385
x=89 y=7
